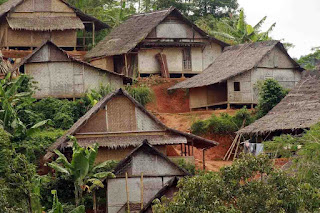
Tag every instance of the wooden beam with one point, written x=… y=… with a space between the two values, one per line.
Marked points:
x=126 y=63
x=127 y=191
x=93 y=33
x=181 y=149
x=141 y=190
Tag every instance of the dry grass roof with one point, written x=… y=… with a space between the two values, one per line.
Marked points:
x=46 y=23
x=300 y=109
x=233 y=61
x=130 y=33
x=11 y=4
x=62 y=142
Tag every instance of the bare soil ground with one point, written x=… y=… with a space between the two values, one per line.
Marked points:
x=172 y=108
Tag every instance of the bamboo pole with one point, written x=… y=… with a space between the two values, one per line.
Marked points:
x=127 y=191
x=141 y=189
x=94 y=201
x=228 y=154
x=93 y=33
x=126 y=64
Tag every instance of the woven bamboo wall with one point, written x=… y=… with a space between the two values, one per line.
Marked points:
x=96 y=123
x=121 y=115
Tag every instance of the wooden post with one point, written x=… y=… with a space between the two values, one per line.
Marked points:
x=185 y=150
x=204 y=159
x=127 y=191
x=141 y=190
x=188 y=150
x=181 y=149
x=126 y=64
x=94 y=201
x=93 y=34
x=106 y=196
x=192 y=148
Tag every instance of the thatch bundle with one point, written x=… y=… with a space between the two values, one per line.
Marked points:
x=45 y=23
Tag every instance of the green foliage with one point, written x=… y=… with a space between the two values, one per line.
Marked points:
x=4 y=151
x=234 y=29
x=57 y=207
x=81 y=169
x=191 y=168
x=312 y=60
x=142 y=94
x=238 y=188
x=270 y=94
x=223 y=124
x=35 y=146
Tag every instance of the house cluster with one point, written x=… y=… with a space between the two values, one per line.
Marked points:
x=49 y=39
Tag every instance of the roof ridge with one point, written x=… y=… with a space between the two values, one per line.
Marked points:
x=154 y=12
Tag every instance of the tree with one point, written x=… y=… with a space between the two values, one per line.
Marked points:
x=241 y=187
x=84 y=174
x=215 y=8
x=235 y=30
x=270 y=94
x=312 y=60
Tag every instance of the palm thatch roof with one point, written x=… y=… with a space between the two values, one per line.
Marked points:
x=62 y=142
x=233 y=61
x=17 y=23
x=146 y=147
x=300 y=109
x=69 y=57
x=130 y=33
x=45 y=23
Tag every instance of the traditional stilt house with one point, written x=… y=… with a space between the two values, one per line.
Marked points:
x=118 y=123
x=298 y=111
x=161 y=42
x=144 y=175
x=231 y=78
x=62 y=76
x=26 y=24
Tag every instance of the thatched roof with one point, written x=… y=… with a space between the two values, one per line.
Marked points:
x=11 y=4
x=121 y=141
x=300 y=109
x=62 y=142
x=50 y=43
x=146 y=147
x=233 y=61
x=130 y=33
x=46 y=23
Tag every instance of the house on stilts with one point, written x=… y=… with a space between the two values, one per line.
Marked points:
x=60 y=75
x=298 y=111
x=119 y=124
x=26 y=24
x=231 y=79
x=161 y=42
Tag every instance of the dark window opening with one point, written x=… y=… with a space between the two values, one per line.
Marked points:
x=187 y=59
x=236 y=86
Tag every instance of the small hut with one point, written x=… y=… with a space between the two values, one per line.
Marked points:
x=118 y=123
x=298 y=111
x=60 y=75
x=144 y=175
x=162 y=42
x=231 y=78
x=26 y=24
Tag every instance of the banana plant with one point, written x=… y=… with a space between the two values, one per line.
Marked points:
x=240 y=32
x=85 y=175
x=58 y=208
x=11 y=102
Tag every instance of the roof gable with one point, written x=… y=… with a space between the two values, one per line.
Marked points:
x=49 y=52
x=233 y=61
x=62 y=141
x=145 y=158
x=130 y=33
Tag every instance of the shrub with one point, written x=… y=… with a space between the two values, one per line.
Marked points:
x=142 y=94
x=5 y=151
x=270 y=94
x=36 y=145
x=223 y=124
